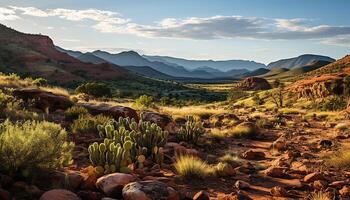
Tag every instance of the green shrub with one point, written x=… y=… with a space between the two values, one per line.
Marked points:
x=235 y=94
x=74 y=112
x=94 y=89
x=88 y=123
x=39 y=82
x=144 y=101
x=191 y=131
x=31 y=145
x=333 y=103
x=245 y=129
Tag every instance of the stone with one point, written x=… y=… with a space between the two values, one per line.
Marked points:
x=254 y=83
x=46 y=101
x=279 y=191
x=239 y=195
x=313 y=177
x=89 y=195
x=201 y=195
x=149 y=190
x=320 y=184
x=242 y=185
x=59 y=194
x=113 y=111
x=5 y=195
x=279 y=145
x=223 y=120
x=345 y=191
x=338 y=184
x=253 y=155
x=325 y=143
x=161 y=120
x=277 y=172
x=112 y=184
x=5 y=181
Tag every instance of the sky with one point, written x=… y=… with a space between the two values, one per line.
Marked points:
x=259 y=30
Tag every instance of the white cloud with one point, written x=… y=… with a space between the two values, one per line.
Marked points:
x=338 y=41
x=205 y=28
x=7 y=14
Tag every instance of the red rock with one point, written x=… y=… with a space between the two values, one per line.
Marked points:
x=113 y=111
x=201 y=195
x=5 y=195
x=338 y=184
x=59 y=194
x=254 y=83
x=242 y=185
x=146 y=190
x=279 y=191
x=46 y=101
x=277 y=172
x=320 y=184
x=112 y=184
x=253 y=155
x=313 y=177
x=345 y=191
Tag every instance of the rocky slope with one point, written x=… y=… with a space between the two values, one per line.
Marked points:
x=299 y=61
x=36 y=55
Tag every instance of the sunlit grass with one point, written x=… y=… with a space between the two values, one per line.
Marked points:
x=320 y=195
x=190 y=166
x=197 y=111
x=340 y=159
x=342 y=126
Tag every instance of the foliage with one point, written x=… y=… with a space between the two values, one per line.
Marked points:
x=126 y=142
x=277 y=96
x=333 y=103
x=39 y=82
x=144 y=101
x=257 y=100
x=74 y=112
x=191 y=131
x=192 y=167
x=94 y=89
x=30 y=145
x=235 y=94
x=88 y=123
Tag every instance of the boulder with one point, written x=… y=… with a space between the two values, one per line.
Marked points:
x=149 y=190
x=201 y=195
x=242 y=185
x=254 y=83
x=277 y=172
x=113 y=111
x=59 y=194
x=46 y=101
x=162 y=120
x=313 y=177
x=5 y=195
x=112 y=184
x=253 y=155
x=279 y=191
x=345 y=192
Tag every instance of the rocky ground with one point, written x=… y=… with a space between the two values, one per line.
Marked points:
x=283 y=162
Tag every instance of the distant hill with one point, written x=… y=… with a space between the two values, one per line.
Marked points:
x=274 y=72
x=223 y=65
x=149 y=72
x=91 y=58
x=292 y=73
x=74 y=54
x=36 y=55
x=256 y=72
x=299 y=61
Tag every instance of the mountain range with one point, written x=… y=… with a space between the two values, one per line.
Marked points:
x=299 y=61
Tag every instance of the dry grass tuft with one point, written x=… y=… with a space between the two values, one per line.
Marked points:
x=340 y=159
x=190 y=166
x=320 y=196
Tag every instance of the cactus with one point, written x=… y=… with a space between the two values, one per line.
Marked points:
x=126 y=142
x=191 y=131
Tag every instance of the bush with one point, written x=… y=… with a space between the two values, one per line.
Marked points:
x=88 y=123
x=191 y=131
x=144 y=101
x=94 y=89
x=74 y=112
x=340 y=159
x=245 y=129
x=333 y=103
x=236 y=94
x=39 y=82
x=31 y=145
x=190 y=166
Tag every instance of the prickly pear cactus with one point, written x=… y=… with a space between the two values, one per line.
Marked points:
x=191 y=131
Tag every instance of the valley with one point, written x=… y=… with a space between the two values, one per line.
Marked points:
x=91 y=125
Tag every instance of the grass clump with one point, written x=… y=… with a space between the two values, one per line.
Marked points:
x=88 y=123
x=245 y=129
x=340 y=159
x=190 y=166
x=231 y=158
x=320 y=195
x=144 y=101
x=31 y=145
x=74 y=112
x=342 y=126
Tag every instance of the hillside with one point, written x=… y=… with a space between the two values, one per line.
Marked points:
x=274 y=72
x=256 y=72
x=299 y=61
x=90 y=58
x=224 y=65
x=149 y=72
x=36 y=55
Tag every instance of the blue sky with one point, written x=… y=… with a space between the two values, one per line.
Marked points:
x=260 y=30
